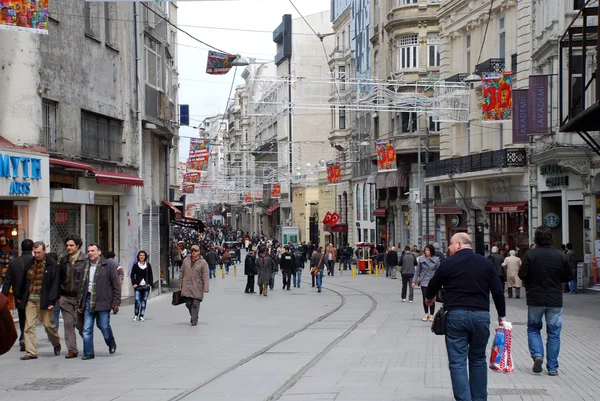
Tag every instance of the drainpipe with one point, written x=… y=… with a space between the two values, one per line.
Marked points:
x=138 y=83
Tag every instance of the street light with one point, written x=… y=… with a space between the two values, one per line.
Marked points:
x=473 y=78
x=241 y=62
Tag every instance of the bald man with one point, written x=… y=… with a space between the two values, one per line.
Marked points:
x=467 y=278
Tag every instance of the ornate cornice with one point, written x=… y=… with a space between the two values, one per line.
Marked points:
x=581 y=167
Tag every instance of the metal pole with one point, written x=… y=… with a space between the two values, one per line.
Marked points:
x=418 y=200
x=290 y=139
x=426 y=185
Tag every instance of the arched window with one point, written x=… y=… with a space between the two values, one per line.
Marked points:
x=358 y=206
x=365 y=201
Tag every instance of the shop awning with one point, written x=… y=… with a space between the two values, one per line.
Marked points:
x=372 y=179
x=396 y=179
x=506 y=207
x=270 y=210
x=173 y=208
x=447 y=209
x=381 y=212
x=380 y=181
x=125 y=180
x=338 y=228
x=70 y=164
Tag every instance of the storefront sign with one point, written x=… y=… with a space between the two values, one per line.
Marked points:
x=551 y=220
x=29 y=167
x=538 y=104
x=520 y=132
x=61 y=216
x=559 y=177
x=455 y=220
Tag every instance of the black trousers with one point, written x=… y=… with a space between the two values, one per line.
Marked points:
x=407 y=285
x=21 y=313
x=250 y=283
x=428 y=309
x=287 y=278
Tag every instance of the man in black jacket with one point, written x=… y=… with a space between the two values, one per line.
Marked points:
x=391 y=263
x=497 y=261
x=288 y=265
x=14 y=277
x=467 y=278
x=39 y=292
x=543 y=271
x=250 y=270
x=300 y=260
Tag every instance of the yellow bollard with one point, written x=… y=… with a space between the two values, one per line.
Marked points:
x=353 y=274
x=377 y=271
x=234 y=270
x=223 y=273
x=370 y=267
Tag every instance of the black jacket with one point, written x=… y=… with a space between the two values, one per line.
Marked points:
x=137 y=274
x=14 y=275
x=71 y=274
x=300 y=259
x=392 y=258
x=497 y=260
x=250 y=267
x=287 y=262
x=108 y=286
x=50 y=284
x=543 y=271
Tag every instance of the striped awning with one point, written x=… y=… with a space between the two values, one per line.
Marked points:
x=381 y=180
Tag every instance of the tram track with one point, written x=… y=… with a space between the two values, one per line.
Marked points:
x=302 y=371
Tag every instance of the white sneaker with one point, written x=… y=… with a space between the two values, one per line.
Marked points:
x=135 y=318
x=410 y=302
x=142 y=319
x=403 y=299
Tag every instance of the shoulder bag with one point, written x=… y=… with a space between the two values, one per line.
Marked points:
x=438 y=327
x=315 y=270
x=178 y=299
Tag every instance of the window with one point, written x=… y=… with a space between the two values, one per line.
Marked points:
x=407 y=2
x=173 y=43
x=433 y=50
x=433 y=126
x=342 y=77
x=110 y=27
x=101 y=136
x=332 y=117
x=376 y=12
x=91 y=19
x=372 y=197
x=365 y=202
x=343 y=40
x=501 y=37
x=49 y=120
x=358 y=206
x=376 y=127
x=408 y=51
x=468 y=51
x=376 y=62
x=337 y=42
x=342 y=119
x=410 y=122
x=153 y=63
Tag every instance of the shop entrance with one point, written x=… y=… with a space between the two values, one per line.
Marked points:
x=99 y=226
x=552 y=218
x=576 y=230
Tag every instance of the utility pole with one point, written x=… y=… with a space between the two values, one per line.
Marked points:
x=426 y=185
x=418 y=197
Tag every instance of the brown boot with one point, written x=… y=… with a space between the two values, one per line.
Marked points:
x=510 y=292
x=517 y=293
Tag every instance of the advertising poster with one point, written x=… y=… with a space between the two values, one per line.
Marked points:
x=219 y=63
x=538 y=104
x=275 y=191
x=386 y=155
x=258 y=194
x=497 y=97
x=199 y=154
x=247 y=197
x=188 y=189
x=192 y=178
x=520 y=116
x=24 y=15
x=334 y=172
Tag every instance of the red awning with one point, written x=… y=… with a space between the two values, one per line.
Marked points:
x=506 y=207
x=125 y=180
x=381 y=212
x=272 y=209
x=447 y=209
x=173 y=208
x=70 y=164
x=338 y=228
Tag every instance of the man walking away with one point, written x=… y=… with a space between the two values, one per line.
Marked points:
x=101 y=293
x=212 y=259
x=299 y=261
x=572 y=256
x=318 y=261
x=72 y=269
x=346 y=256
x=438 y=253
x=193 y=282
x=14 y=279
x=250 y=270
x=288 y=265
x=408 y=262
x=543 y=271
x=266 y=267
x=467 y=278
x=392 y=262
x=497 y=261
x=39 y=292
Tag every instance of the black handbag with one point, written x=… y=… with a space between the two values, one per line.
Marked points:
x=438 y=327
x=178 y=299
x=440 y=296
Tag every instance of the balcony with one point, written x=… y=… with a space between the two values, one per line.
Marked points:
x=460 y=77
x=478 y=162
x=490 y=65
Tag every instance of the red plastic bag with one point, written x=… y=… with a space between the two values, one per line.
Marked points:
x=501 y=357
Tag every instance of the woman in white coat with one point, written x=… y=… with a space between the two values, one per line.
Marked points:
x=511 y=266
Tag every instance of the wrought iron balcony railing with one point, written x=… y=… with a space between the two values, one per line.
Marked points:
x=460 y=77
x=490 y=65
x=478 y=162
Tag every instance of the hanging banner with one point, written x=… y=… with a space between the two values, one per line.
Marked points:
x=335 y=218
x=258 y=194
x=189 y=210
x=386 y=155
x=520 y=120
x=275 y=191
x=188 y=189
x=192 y=178
x=24 y=15
x=334 y=172
x=497 y=97
x=538 y=104
x=199 y=154
x=247 y=197
x=219 y=63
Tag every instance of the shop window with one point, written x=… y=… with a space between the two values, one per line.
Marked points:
x=99 y=226
x=65 y=219
x=101 y=137
x=14 y=222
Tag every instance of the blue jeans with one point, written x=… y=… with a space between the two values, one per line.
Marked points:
x=346 y=263
x=226 y=267
x=103 y=323
x=212 y=271
x=467 y=334
x=573 y=286
x=320 y=279
x=56 y=315
x=553 y=327
x=297 y=277
x=272 y=281
x=141 y=297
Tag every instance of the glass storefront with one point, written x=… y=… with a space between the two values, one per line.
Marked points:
x=14 y=220
x=99 y=226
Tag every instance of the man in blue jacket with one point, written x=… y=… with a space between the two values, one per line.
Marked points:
x=467 y=278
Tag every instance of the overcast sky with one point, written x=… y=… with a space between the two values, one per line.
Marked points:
x=222 y=24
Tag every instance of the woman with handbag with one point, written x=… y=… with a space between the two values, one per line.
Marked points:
x=426 y=267
x=141 y=278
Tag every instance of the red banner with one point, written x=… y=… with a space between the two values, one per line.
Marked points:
x=334 y=172
x=188 y=189
x=386 y=155
x=219 y=63
x=199 y=154
x=327 y=218
x=275 y=191
x=497 y=97
x=192 y=178
x=335 y=218
x=247 y=197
